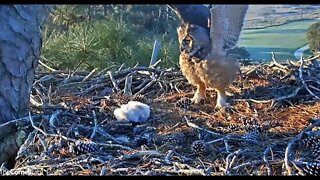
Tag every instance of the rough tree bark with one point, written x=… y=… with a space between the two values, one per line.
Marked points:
x=20 y=45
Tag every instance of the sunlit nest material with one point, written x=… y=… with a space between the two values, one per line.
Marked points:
x=74 y=131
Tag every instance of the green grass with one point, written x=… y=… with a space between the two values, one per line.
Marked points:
x=283 y=40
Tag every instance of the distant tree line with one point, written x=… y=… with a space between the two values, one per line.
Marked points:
x=157 y=18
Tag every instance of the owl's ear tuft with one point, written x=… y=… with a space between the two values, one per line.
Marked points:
x=188 y=26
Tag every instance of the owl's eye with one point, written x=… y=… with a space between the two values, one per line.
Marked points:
x=187 y=41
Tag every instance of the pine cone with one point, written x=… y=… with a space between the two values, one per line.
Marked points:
x=173 y=140
x=83 y=147
x=233 y=127
x=121 y=99
x=308 y=168
x=251 y=138
x=313 y=144
x=183 y=103
x=140 y=98
x=251 y=125
x=199 y=148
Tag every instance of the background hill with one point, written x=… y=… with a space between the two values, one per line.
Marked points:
x=278 y=28
x=260 y=16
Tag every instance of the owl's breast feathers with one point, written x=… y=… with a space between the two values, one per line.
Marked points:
x=216 y=72
x=188 y=68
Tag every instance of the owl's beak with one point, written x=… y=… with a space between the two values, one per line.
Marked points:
x=182 y=48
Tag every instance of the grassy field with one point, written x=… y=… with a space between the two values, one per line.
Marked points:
x=283 y=40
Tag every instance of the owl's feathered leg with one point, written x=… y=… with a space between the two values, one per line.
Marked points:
x=221 y=98
x=200 y=93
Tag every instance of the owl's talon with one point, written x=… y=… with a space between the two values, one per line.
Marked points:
x=199 y=94
x=196 y=100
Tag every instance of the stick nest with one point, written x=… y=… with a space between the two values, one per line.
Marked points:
x=268 y=129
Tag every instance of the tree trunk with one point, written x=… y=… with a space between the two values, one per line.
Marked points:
x=20 y=45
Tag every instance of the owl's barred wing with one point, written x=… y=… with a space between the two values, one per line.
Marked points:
x=192 y=13
x=226 y=26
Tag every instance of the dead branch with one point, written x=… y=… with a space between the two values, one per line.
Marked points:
x=255 y=163
x=302 y=79
x=127 y=86
x=110 y=145
x=275 y=63
x=229 y=162
x=44 y=65
x=140 y=154
x=115 y=85
x=146 y=87
x=92 y=88
x=200 y=128
x=293 y=94
x=89 y=75
x=155 y=52
x=312 y=58
x=265 y=159
x=95 y=124
x=182 y=172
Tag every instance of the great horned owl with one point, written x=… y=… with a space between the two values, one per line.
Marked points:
x=203 y=59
